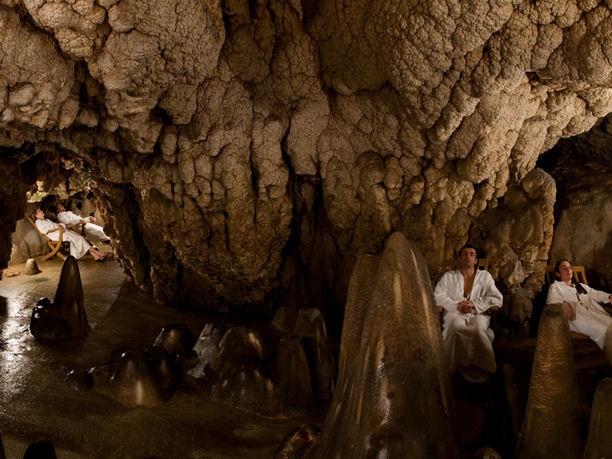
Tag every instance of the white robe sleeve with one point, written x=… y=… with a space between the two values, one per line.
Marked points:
x=447 y=292
x=558 y=292
x=555 y=294
x=485 y=293
x=68 y=218
x=47 y=225
x=597 y=295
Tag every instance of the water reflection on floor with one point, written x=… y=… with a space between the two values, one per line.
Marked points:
x=36 y=403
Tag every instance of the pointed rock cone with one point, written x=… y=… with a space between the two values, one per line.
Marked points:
x=166 y=371
x=553 y=417
x=293 y=382
x=69 y=298
x=175 y=338
x=599 y=443
x=310 y=326
x=393 y=397
x=134 y=384
x=31 y=268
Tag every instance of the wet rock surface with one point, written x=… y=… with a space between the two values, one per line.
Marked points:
x=65 y=318
x=38 y=402
x=271 y=371
x=391 y=350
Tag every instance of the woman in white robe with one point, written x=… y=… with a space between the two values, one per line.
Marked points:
x=78 y=244
x=467 y=294
x=581 y=304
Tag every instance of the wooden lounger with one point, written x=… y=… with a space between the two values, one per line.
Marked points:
x=55 y=246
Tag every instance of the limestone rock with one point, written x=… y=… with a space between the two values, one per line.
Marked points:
x=64 y=318
x=553 y=419
x=391 y=348
x=224 y=138
x=134 y=383
x=599 y=443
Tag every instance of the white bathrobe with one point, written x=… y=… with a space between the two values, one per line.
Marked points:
x=591 y=319
x=78 y=244
x=468 y=340
x=92 y=231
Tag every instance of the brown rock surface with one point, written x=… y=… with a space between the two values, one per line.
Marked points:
x=238 y=147
x=391 y=348
x=553 y=421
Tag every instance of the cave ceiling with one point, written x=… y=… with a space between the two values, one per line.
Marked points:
x=247 y=152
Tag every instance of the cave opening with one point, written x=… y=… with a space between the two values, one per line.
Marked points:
x=582 y=169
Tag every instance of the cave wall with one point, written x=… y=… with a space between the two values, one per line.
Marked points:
x=582 y=168
x=248 y=152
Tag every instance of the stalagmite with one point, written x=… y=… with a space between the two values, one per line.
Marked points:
x=134 y=383
x=31 y=267
x=599 y=443
x=553 y=418
x=175 y=338
x=393 y=397
x=65 y=318
x=69 y=298
x=165 y=369
x=178 y=341
x=310 y=326
x=294 y=385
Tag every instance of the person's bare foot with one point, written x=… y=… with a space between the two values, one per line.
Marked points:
x=97 y=254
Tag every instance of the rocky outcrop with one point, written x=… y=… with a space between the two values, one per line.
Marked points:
x=65 y=318
x=391 y=349
x=553 y=420
x=599 y=443
x=245 y=149
x=12 y=204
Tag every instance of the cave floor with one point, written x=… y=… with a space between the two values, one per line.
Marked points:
x=38 y=404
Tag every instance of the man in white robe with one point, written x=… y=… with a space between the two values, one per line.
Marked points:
x=467 y=294
x=93 y=232
x=78 y=244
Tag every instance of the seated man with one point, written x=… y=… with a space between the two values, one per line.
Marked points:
x=78 y=244
x=92 y=231
x=466 y=294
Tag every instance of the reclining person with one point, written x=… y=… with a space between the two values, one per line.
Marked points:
x=467 y=294
x=581 y=305
x=78 y=244
x=92 y=231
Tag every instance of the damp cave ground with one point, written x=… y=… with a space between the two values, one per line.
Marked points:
x=38 y=404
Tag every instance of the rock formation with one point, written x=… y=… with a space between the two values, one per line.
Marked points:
x=246 y=153
x=65 y=317
x=146 y=377
x=266 y=370
x=553 y=421
x=391 y=349
x=599 y=443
